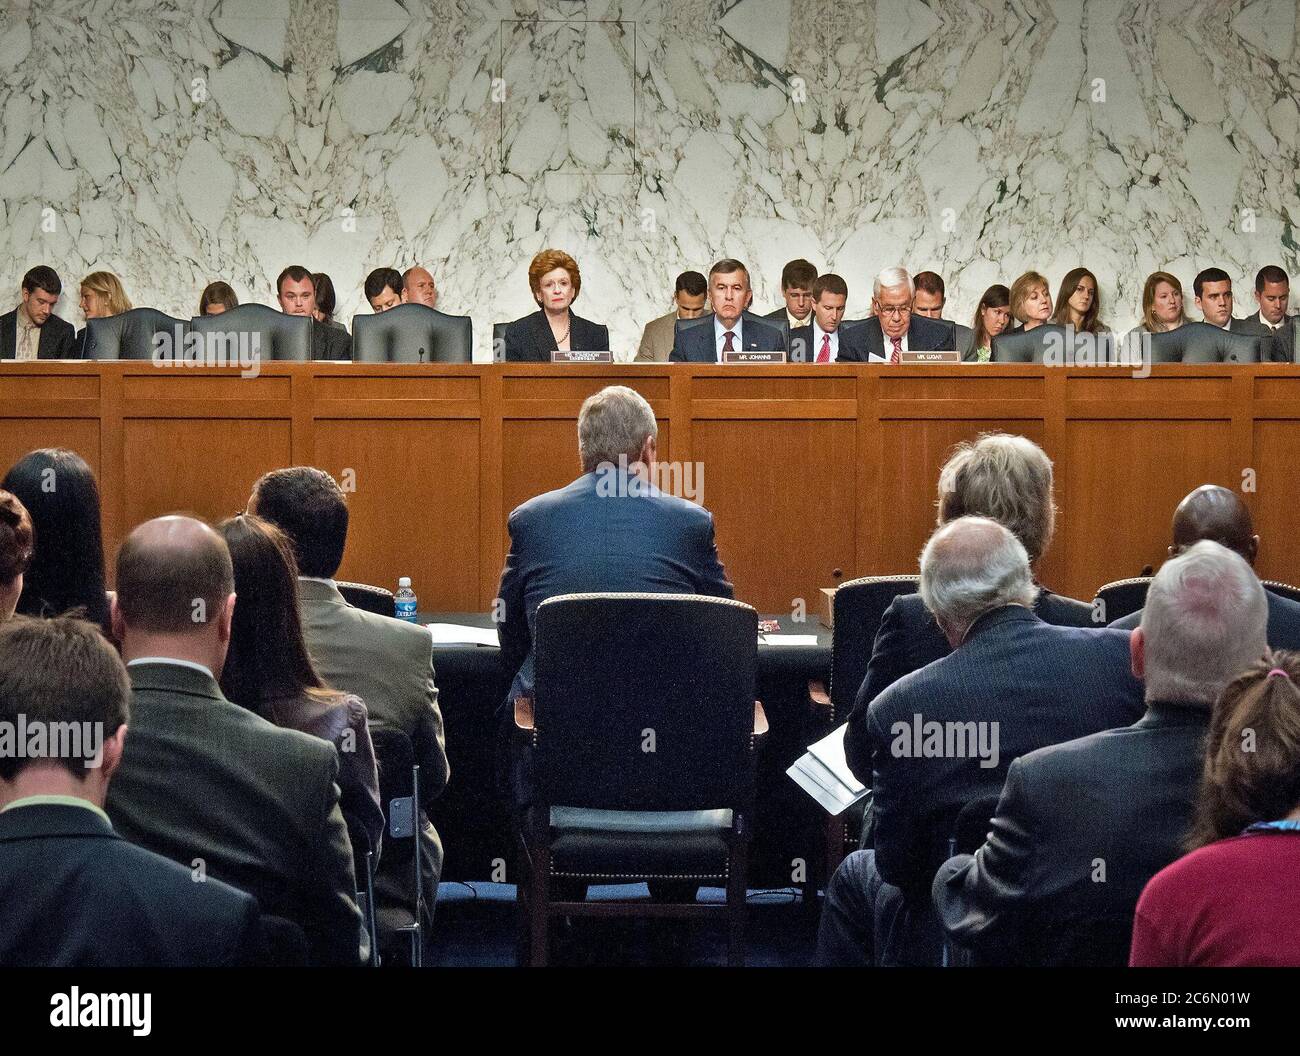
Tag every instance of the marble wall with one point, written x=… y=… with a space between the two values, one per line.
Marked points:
x=179 y=141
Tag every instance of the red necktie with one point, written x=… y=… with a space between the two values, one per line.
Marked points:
x=824 y=356
x=726 y=344
x=898 y=350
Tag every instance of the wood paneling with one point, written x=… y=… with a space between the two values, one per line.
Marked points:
x=807 y=469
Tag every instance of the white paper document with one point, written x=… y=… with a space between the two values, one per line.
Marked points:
x=805 y=640
x=459 y=634
x=824 y=774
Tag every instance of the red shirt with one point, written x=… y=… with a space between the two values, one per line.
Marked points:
x=1230 y=904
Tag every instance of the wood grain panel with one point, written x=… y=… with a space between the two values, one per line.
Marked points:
x=1276 y=462
x=18 y=436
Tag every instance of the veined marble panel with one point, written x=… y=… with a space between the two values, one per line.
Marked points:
x=180 y=141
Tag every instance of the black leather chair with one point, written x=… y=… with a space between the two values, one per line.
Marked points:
x=372 y=599
x=1120 y=599
x=1055 y=345
x=272 y=334
x=642 y=770
x=399 y=796
x=1203 y=343
x=856 y=611
x=1284 y=590
x=499 y=342
x=968 y=833
x=412 y=333
x=363 y=869
x=131 y=335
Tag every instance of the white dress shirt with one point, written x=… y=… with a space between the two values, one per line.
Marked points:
x=720 y=338
x=174 y=662
x=794 y=323
x=889 y=348
x=818 y=333
x=1275 y=327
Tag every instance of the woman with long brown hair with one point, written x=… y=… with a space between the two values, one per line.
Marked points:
x=1078 y=302
x=992 y=315
x=1232 y=900
x=269 y=671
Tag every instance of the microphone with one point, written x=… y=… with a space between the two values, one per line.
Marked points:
x=421 y=353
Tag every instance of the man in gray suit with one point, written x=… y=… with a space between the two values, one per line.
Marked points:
x=690 y=299
x=205 y=782
x=387 y=662
x=1272 y=295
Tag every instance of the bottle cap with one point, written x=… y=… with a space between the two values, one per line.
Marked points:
x=405 y=581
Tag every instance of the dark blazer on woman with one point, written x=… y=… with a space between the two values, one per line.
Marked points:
x=529 y=340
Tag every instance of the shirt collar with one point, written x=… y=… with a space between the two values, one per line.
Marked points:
x=173 y=662
x=1271 y=326
x=795 y=324
x=24 y=320
x=55 y=801
x=319 y=579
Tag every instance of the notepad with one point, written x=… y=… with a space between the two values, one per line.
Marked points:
x=805 y=640
x=459 y=634
x=823 y=772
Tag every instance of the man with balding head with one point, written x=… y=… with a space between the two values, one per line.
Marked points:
x=1219 y=515
x=943 y=737
x=204 y=782
x=418 y=287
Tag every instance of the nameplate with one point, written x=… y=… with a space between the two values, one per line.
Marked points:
x=754 y=356
x=575 y=356
x=941 y=356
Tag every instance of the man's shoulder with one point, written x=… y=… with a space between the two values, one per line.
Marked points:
x=168 y=879
x=398 y=635
x=60 y=325
x=1250 y=326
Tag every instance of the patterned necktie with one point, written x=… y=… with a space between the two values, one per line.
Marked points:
x=824 y=354
x=727 y=346
x=27 y=346
x=897 y=357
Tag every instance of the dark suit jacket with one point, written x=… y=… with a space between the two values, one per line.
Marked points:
x=909 y=638
x=1283 y=621
x=204 y=779
x=74 y=894
x=530 y=340
x=330 y=341
x=58 y=339
x=698 y=344
x=1277 y=346
x=580 y=539
x=923 y=335
x=1080 y=828
x=1039 y=684
x=388 y=663
x=852 y=345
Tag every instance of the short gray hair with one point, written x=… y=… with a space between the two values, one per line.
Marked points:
x=1205 y=622
x=891 y=277
x=1007 y=478
x=615 y=421
x=970 y=566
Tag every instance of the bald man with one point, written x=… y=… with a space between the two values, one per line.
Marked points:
x=205 y=782
x=1220 y=515
x=418 y=288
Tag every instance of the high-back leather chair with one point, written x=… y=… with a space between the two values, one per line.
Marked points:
x=272 y=334
x=1121 y=598
x=379 y=600
x=130 y=335
x=1203 y=343
x=1054 y=344
x=642 y=771
x=412 y=333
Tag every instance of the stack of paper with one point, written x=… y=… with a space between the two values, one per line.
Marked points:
x=459 y=634
x=824 y=774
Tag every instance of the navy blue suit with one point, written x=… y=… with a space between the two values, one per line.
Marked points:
x=923 y=335
x=698 y=344
x=1283 y=622
x=578 y=539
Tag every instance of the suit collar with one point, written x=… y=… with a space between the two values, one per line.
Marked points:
x=320 y=590
x=1174 y=713
x=996 y=618
x=37 y=820
x=172 y=678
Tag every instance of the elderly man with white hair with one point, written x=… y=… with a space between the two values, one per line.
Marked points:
x=1082 y=826
x=893 y=327
x=943 y=736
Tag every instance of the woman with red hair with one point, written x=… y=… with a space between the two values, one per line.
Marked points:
x=555 y=281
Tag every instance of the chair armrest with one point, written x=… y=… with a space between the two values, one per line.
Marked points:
x=524 y=714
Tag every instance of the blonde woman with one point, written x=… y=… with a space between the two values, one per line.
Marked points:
x=1031 y=301
x=102 y=295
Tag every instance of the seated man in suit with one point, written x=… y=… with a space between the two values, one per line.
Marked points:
x=1082 y=826
x=296 y=292
x=730 y=293
x=1002 y=476
x=418 y=287
x=930 y=300
x=386 y=662
x=1272 y=295
x=383 y=289
x=944 y=736
x=205 y=782
x=1218 y=514
x=1213 y=290
x=32 y=331
x=892 y=322
x=73 y=893
x=690 y=298
x=823 y=338
x=797 y=278
x=610 y=530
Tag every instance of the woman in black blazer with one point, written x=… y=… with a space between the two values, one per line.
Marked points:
x=555 y=281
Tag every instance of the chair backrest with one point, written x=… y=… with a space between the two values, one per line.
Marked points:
x=1282 y=590
x=272 y=335
x=373 y=599
x=858 y=608
x=1121 y=598
x=1203 y=343
x=644 y=702
x=412 y=333
x=399 y=796
x=1054 y=345
x=131 y=334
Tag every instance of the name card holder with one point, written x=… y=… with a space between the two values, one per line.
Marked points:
x=950 y=355
x=754 y=356
x=574 y=356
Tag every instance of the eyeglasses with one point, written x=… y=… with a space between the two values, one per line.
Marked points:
x=895 y=309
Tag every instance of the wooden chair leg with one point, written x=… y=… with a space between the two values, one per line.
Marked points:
x=736 y=884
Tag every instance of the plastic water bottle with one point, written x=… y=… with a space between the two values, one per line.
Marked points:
x=405 y=599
